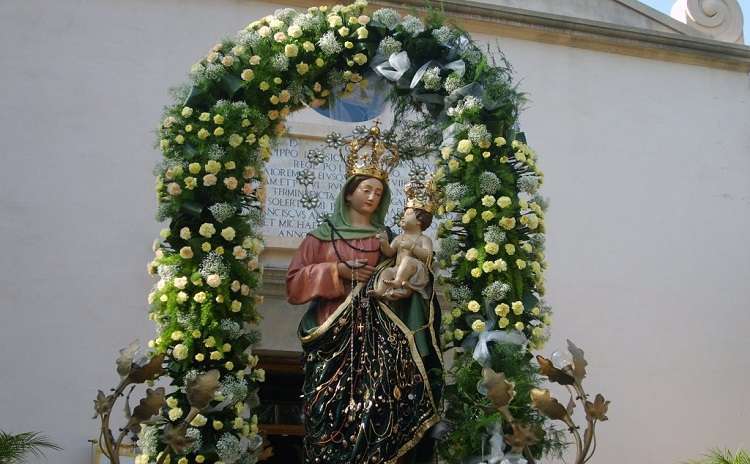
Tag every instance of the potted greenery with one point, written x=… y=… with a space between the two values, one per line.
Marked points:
x=14 y=449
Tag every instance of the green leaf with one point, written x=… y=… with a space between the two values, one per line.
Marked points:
x=231 y=83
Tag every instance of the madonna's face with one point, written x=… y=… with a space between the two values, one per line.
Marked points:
x=366 y=197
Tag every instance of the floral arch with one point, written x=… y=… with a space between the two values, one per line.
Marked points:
x=453 y=104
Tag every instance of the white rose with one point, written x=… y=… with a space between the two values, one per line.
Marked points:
x=174 y=189
x=209 y=180
x=179 y=352
x=213 y=280
x=180 y=282
x=239 y=252
x=185 y=233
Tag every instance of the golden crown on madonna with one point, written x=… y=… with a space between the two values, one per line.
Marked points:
x=370 y=156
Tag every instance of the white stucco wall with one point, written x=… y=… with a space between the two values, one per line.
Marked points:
x=647 y=166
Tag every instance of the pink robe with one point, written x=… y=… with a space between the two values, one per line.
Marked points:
x=313 y=273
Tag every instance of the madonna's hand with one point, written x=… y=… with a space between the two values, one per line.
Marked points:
x=362 y=272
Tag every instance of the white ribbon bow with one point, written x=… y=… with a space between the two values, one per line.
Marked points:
x=395 y=67
x=482 y=352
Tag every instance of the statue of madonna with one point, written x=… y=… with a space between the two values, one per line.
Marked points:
x=373 y=367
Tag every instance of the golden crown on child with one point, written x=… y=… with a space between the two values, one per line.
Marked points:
x=370 y=156
x=421 y=194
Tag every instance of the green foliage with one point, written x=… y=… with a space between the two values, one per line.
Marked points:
x=719 y=456
x=15 y=449
x=472 y=414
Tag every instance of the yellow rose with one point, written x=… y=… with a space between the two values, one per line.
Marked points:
x=520 y=264
x=471 y=254
x=487 y=216
x=500 y=264
x=476 y=272
x=218 y=119
x=200 y=459
x=291 y=50
x=175 y=413
x=519 y=326
x=308 y=46
x=216 y=355
x=504 y=202
x=453 y=165
x=247 y=75
x=488 y=266
x=503 y=322
x=194 y=168
x=502 y=309
x=334 y=21
x=464 y=146
x=360 y=58
x=486 y=154
x=510 y=249
x=229 y=365
x=517 y=307
x=507 y=223
x=302 y=68
x=199 y=357
x=456 y=312
x=499 y=141
x=473 y=306
x=491 y=248
x=362 y=32
x=217 y=425
x=219 y=131
x=186 y=252
x=320 y=62
x=458 y=334
x=209 y=342
x=478 y=325
x=186 y=111
x=469 y=158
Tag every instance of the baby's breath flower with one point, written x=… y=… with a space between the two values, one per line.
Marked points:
x=328 y=43
x=412 y=25
x=280 y=62
x=389 y=46
x=386 y=17
x=443 y=35
x=488 y=183
x=431 y=78
x=456 y=191
x=496 y=291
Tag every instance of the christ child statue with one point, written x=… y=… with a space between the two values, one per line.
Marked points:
x=413 y=251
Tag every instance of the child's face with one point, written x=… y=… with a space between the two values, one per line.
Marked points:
x=409 y=220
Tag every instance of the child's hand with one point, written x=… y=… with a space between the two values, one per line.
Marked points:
x=382 y=236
